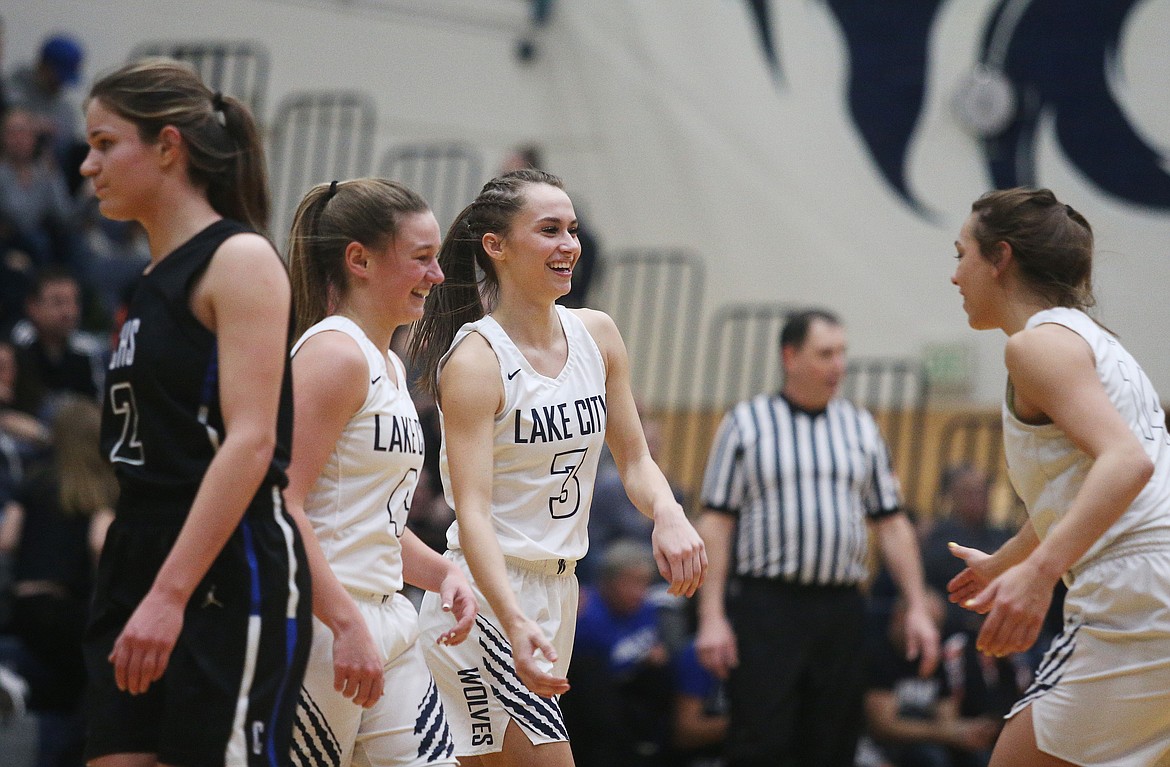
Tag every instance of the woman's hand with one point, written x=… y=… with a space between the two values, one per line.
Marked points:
x=458 y=598
x=975 y=577
x=527 y=639
x=679 y=551
x=143 y=649
x=1015 y=604
x=357 y=664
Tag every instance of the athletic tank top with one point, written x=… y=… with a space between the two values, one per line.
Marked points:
x=1047 y=469
x=359 y=505
x=547 y=441
x=161 y=419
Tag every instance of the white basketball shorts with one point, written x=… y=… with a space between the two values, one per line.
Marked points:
x=1101 y=696
x=405 y=728
x=477 y=678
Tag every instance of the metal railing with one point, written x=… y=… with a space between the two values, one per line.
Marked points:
x=236 y=68
x=740 y=361
x=896 y=391
x=655 y=296
x=317 y=137
x=448 y=176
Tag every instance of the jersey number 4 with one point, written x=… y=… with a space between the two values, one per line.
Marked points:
x=1150 y=416
x=569 y=501
x=400 y=500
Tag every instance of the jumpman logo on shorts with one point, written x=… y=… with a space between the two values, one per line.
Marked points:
x=210 y=600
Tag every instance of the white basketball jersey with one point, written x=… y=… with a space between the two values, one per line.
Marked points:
x=548 y=439
x=359 y=504
x=1047 y=469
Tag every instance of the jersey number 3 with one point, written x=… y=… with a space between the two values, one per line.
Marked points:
x=569 y=501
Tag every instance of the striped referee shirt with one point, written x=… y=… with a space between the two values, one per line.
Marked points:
x=801 y=484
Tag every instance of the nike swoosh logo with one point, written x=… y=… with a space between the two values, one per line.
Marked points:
x=513 y=374
x=379 y=378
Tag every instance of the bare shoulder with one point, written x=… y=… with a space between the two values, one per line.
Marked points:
x=1048 y=365
x=252 y=249
x=595 y=319
x=246 y=284
x=334 y=356
x=601 y=326
x=1047 y=350
x=248 y=263
x=471 y=372
x=473 y=355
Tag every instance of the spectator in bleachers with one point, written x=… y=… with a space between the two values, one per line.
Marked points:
x=44 y=88
x=53 y=531
x=915 y=719
x=20 y=433
x=613 y=516
x=16 y=278
x=700 y=713
x=963 y=515
x=620 y=673
x=10 y=460
x=53 y=356
x=115 y=254
x=984 y=685
x=39 y=214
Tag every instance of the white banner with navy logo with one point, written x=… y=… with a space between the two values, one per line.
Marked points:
x=809 y=151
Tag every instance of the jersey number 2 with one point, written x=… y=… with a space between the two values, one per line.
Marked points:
x=128 y=448
x=569 y=501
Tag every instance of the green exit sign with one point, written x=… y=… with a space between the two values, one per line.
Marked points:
x=949 y=367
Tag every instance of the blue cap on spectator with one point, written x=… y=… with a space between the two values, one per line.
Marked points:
x=63 y=55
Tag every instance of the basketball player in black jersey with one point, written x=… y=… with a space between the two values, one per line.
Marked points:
x=200 y=627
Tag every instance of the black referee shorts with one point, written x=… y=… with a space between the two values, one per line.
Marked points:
x=229 y=694
x=796 y=696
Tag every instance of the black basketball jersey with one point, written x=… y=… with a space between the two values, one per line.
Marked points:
x=161 y=419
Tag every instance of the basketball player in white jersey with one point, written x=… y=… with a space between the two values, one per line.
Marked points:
x=362 y=261
x=527 y=395
x=1088 y=452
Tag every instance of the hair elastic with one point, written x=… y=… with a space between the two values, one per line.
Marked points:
x=332 y=190
x=217 y=101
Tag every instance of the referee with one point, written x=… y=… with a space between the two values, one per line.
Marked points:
x=791 y=482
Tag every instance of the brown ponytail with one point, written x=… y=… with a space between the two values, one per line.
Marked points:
x=329 y=218
x=225 y=155
x=462 y=296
